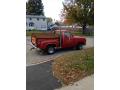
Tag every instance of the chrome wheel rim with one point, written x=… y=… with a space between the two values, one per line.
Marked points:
x=51 y=50
x=80 y=46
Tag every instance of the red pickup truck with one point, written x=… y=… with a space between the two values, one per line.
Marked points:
x=49 y=42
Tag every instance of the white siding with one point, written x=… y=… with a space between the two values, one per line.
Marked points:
x=38 y=24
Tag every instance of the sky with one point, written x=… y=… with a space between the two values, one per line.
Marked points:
x=52 y=8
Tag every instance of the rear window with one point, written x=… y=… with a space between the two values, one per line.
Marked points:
x=57 y=32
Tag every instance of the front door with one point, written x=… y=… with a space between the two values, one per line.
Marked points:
x=68 y=40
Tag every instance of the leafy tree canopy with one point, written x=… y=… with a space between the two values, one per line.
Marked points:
x=34 y=7
x=49 y=19
x=79 y=11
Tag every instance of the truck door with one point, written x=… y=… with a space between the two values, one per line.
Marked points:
x=67 y=40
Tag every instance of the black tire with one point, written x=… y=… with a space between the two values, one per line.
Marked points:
x=50 y=50
x=79 y=47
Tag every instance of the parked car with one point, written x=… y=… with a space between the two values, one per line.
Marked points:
x=49 y=42
x=52 y=27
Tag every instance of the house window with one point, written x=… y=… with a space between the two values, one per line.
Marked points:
x=31 y=24
x=37 y=19
x=43 y=26
x=43 y=19
x=26 y=24
x=30 y=18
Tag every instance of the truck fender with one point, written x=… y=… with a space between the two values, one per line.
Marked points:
x=44 y=45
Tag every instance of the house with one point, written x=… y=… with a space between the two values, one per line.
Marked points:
x=37 y=22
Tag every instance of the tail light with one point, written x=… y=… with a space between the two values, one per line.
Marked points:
x=85 y=42
x=33 y=40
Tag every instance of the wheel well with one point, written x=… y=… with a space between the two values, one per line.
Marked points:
x=80 y=43
x=51 y=45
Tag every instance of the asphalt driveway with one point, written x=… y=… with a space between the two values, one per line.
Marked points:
x=40 y=77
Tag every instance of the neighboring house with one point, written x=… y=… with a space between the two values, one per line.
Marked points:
x=37 y=22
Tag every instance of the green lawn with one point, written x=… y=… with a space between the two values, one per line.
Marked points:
x=72 y=67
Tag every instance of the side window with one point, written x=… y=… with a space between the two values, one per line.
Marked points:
x=67 y=34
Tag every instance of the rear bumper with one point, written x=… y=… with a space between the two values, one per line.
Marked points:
x=34 y=47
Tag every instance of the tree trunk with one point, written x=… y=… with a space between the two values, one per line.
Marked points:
x=84 y=29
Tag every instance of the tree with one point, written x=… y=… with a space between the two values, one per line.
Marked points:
x=49 y=19
x=34 y=7
x=68 y=21
x=80 y=11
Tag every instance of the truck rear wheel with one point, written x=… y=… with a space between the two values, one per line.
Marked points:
x=79 y=47
x=50 y=50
